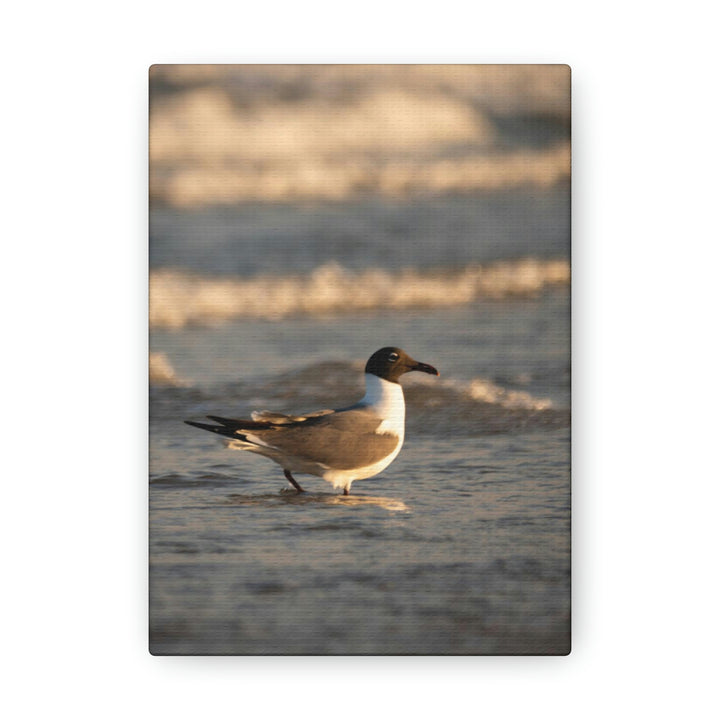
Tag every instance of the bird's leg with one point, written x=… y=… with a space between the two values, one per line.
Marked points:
x=293 y=481
x=346 y=491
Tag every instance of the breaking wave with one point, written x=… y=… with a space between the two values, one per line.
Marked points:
x=486 y=391
x=178 y=298
x=161 y=372
x=220 y=135
x=467 y=407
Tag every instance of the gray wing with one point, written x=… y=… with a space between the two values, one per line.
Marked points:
x=280 y=419
x=342 y=440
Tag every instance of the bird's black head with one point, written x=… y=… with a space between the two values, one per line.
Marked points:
x=389 y=363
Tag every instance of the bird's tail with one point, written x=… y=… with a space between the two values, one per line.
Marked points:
x=230 y=427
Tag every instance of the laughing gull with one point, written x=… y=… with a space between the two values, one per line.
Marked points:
x=340 y=446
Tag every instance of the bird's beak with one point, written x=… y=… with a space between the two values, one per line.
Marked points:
x=423 y=367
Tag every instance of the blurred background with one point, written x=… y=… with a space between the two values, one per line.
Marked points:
x=283 y=170
x=227 y=134
x=301 y=217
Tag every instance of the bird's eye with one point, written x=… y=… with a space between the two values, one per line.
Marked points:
x=392 y=357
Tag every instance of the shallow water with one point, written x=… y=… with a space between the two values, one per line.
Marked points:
x=461 y=546
x=458 y=550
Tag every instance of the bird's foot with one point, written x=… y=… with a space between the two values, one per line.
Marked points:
x=346 y=491
x=293 y=481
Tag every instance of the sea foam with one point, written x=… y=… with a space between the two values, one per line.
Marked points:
x=179 y=298
x=161 y=372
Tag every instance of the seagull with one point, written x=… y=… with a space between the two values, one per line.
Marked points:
x=340 y=446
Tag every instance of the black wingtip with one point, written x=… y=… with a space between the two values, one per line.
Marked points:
x=210 y=428
x=223 y=421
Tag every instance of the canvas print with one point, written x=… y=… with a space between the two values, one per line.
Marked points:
x=359 y=360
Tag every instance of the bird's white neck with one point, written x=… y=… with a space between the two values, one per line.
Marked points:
x=385 y=397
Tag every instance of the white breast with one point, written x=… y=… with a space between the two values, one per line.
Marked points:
x=387 y=400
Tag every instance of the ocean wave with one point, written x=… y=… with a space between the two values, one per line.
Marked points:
x=485 y=391
x=161 y=372
x=323 y=178
x=474 y=407
x=239 y=133
x=178 y=298
x=477 y=407
x=326 y=381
